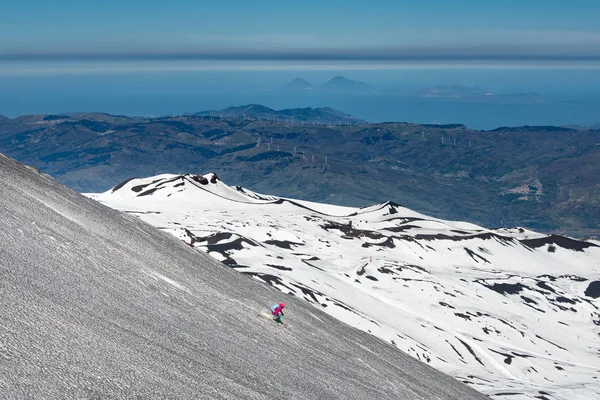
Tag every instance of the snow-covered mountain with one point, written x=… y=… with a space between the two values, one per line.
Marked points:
x=512 y=313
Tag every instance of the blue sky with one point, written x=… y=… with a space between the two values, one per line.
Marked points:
x=536 y=31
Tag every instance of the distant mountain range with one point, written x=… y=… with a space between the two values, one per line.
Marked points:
x=476 y=95
x=465 y=94
x=338 y=84
x=450 y=92
x=324 y=115
x=544 y=178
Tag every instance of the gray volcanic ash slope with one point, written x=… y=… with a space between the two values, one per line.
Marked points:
x=98 y=304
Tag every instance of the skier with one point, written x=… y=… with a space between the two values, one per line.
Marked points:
x=276 y=310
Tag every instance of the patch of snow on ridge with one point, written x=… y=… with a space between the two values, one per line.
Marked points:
x=503 y=310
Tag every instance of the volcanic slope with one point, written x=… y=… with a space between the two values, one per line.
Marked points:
x=511 y=312
x=97 y=304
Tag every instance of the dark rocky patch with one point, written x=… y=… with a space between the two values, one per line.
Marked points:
x=563 y=308
x=311 y=265
x=361 y=270
x=180 y=177
x=562 y=299
x=488 y=330
x=546 y=340
x=446 y=305
x=284 y=244
x=392 y=208
x=120 y=185
x=473 y=255
x=505 y=241
x=470 y=351
x=574 y=278
x=230 y=262
x=561 y=241
x=545 y=286
x=508 y=357
x=402 y=228
x=385 y=270
x=593 y=290
x=483 y=250
x=279 y=267
x=522 y=355
x=506 y=323
x=308 y=291
x=415 y=268
x=461 y=232
x=193 y=238
x=148 y=192
x=505 y=288
x=200 y=179
x=139 y=188
x=528 y=300
x=349 y=231
x=454 y=348
x=403 y=220
x=558 y=367
x=535 y=308
x=215 y=237
x=236 y=244
x=461 y=315
x=371 y=278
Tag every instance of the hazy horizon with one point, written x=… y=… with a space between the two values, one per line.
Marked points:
x=572 y=98
x=153 y=58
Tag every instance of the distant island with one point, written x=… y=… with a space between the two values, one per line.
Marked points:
x=476 y=94
x=337 y=84
x=457 y=93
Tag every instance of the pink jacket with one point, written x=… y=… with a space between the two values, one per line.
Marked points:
x=277 y=309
